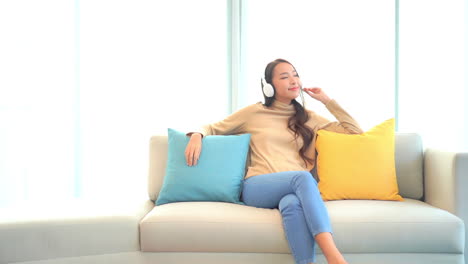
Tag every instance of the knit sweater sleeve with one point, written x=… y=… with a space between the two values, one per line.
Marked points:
x=345 y=124
x=231 y=125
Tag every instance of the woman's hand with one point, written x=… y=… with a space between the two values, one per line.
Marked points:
x=193 y=149
x=317 y=94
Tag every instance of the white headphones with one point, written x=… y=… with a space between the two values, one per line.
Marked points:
x=267 y=88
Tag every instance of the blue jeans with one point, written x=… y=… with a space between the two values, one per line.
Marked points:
x=296 y=195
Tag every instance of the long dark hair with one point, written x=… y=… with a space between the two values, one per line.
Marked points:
x=296 y=122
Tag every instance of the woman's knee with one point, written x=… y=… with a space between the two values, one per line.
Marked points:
x=305 y=176
x=289 y=201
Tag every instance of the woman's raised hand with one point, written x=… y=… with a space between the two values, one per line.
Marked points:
x=317 y=94
x=193 y=149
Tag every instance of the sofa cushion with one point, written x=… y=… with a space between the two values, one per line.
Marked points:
x=70 y=228
x=217 y=176
x=359 y=226
x=358 y=166
x=410 y=226
x=212 y=227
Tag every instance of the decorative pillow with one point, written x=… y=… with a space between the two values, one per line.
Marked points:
x=217 y=176
x=358 y=166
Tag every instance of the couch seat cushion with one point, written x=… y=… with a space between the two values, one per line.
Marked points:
x=70 y=228
x=410 y=226
x=360 y=226
x=212 y=227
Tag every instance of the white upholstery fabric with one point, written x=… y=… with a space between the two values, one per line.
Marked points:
x=247 y=258
x=157 y=165
x=446 y=181
x=359 y=226
x=409 y=165
x=410 y=226
x=74 y=229
x=212 y=227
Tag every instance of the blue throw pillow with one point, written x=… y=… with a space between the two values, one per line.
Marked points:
x=217 y=176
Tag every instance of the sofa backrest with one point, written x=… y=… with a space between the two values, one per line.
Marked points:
x=408 y=162
x=409 y=158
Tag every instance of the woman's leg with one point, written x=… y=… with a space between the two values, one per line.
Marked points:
x=269 y=190
x=300 y=240
x=326 y=243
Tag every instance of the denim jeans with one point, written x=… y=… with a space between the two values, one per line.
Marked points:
x=296 y=195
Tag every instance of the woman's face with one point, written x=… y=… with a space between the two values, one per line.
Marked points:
x=286 y=82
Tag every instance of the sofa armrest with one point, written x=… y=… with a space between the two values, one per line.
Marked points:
x=70 y=229
x=446 y=183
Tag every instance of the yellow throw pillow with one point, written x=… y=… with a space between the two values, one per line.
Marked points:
x=358 y=166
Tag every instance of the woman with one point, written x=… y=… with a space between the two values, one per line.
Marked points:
x=282 y=154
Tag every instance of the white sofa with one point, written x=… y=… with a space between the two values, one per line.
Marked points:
x=428 y=227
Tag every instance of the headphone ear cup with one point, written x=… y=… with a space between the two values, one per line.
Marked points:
x=268 y=90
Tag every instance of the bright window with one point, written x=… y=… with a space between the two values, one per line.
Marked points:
x=86 y=83
x=37 y=100
x=147 y=66
x=431 y=86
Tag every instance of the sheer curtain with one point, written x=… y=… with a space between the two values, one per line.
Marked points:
x=345 y=47
x=86 y=83
x=37 y=100
x=145 y=66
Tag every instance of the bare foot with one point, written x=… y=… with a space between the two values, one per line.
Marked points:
x=337 y=261
x=329 y=249
x=344 y=262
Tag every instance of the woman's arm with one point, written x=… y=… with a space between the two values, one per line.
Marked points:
x=345 y=124
x=231 y=125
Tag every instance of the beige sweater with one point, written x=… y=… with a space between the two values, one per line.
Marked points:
x=272 y=145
